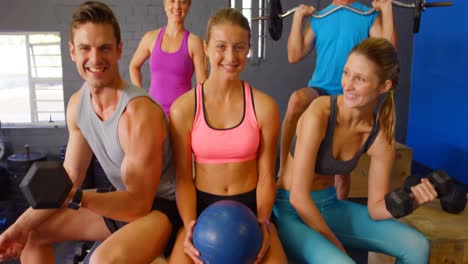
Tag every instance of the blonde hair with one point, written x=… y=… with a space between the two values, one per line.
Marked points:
x=227 y=16
x=383 y=54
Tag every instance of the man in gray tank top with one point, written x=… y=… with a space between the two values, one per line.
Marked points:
x=129 y=134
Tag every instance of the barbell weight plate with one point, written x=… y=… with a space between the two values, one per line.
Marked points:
x=417 y=15
x=275 y=22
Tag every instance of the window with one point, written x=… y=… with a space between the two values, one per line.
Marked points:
x=253 y=8
x=31 y=87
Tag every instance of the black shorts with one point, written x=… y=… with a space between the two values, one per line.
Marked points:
x=248 y=199
x=167 y=207
x=320 y=91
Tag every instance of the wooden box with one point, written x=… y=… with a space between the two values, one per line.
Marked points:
x=447 y=234
x=401 y=170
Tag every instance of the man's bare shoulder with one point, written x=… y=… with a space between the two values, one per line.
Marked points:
x=142 y=119
x=72 y=108
x=143 y=107
x=75 y=98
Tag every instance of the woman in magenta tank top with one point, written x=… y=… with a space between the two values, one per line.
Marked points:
x=174 y=55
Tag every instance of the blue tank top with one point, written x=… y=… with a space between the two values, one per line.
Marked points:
x=335 y=36
x=103 y=138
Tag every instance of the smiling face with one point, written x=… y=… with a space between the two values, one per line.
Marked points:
x=95 y=51
x=176 y=10
x=360 y=82
x=227 y=50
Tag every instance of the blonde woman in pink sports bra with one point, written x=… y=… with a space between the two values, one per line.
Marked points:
x=228 y=130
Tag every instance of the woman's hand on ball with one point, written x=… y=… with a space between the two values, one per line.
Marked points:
x=189 y=248
x=265 y=242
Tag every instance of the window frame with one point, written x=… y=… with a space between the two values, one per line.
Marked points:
x=34 y=79
x=257 y=9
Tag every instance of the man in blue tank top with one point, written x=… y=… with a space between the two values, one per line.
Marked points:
x=129 y=134
x=333 y=37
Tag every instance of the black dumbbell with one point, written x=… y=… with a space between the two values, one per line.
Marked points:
x=452 y=200
x=400 y=202
x=442 y=183
x=46 y=185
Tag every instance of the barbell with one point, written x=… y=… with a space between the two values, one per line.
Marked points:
x=275 y=14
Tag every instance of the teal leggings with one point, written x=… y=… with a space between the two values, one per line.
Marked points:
x=351 y=223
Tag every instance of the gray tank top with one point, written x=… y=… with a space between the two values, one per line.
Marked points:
x=103 y=138
x=326 y=164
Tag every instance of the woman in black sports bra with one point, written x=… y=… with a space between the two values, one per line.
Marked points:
x=314 y=226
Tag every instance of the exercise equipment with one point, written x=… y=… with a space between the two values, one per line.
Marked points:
x=46 y=185
x=400 y=201
x=2 y=149
x=4 y=184
x=275 y=14
x=227 y=232
x=6 y=214
x=90 y=252
x=80 y=251
x=452 y=199
x=453 y=202
x=3 y=223
x=18 y=165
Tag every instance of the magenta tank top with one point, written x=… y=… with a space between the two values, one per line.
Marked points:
x=171 y=73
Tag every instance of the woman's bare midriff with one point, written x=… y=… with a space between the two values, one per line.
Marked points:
x=226 y=178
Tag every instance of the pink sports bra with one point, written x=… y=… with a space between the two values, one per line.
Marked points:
x=225 y=145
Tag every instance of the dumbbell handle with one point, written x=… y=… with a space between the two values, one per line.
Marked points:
x=410 y=193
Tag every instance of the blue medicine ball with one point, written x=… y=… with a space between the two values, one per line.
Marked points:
x=227 y=232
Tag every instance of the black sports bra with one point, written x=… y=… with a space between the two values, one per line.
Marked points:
x=326 y=164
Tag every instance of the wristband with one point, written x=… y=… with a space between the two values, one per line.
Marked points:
x=75 y=202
